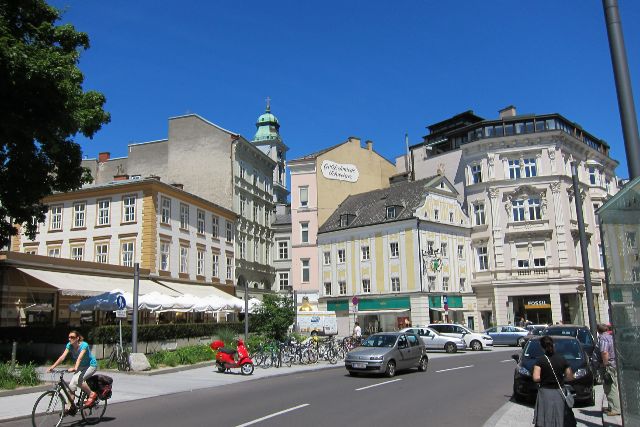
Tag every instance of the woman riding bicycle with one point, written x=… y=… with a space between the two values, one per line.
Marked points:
x=84 y=367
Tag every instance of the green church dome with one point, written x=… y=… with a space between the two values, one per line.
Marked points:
x=267 y=125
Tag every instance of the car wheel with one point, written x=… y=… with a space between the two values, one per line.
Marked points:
x=592 y=399
x=424 y=363
x=391 y=369
x=476 y=345
x=516 y=396
x=521 y=342
x=450 y=347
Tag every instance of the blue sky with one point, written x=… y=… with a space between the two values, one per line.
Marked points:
x=334 y=69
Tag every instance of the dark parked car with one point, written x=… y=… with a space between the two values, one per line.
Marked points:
x=571 y=349
x=386 y=352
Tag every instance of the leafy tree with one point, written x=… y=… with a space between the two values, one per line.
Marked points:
x=274 y=316
x=42 y=106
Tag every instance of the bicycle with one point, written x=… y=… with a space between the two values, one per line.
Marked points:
x=50 y=407
x=120 y=357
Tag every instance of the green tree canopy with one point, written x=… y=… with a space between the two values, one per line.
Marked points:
x=42 y=106
x=274 y=316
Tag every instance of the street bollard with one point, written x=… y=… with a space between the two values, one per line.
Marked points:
x=14 y=350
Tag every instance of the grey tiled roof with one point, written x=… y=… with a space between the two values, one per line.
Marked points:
x=282 y=219
x=370 y=208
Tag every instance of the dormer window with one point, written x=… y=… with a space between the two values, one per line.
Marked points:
x=392 y=212
x=346 y=219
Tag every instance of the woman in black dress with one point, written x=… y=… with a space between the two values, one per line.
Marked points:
x=551 y=409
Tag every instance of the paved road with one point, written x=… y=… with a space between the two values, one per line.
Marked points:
x=464 y=390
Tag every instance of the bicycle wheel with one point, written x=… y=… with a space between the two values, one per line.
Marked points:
x=123 y=362
x=48 y=410
x=92 y=414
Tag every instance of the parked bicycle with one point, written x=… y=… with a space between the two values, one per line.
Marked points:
x=59 y=402
x=119 y=357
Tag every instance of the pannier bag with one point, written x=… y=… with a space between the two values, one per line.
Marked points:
x=101 y=384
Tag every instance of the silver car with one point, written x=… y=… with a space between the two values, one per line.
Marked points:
x=387 y=352
x=434 y=341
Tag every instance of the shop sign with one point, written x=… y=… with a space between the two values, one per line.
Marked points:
x=393 y=303
x=537 y=302
x=340 y=172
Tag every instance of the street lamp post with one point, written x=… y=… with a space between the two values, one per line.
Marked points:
x=246 y=310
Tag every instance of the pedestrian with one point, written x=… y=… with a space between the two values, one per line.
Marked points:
x=551 y=370
x=357 y=331
x=610 y=376
x=85 y=365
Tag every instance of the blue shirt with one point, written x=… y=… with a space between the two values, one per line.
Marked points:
x=87 y=360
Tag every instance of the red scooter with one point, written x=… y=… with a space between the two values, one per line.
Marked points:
x=227 y=358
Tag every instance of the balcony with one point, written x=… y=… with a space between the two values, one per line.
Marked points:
x=536 y=271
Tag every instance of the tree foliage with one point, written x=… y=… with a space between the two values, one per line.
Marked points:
x=274 y=316
x=42 y=106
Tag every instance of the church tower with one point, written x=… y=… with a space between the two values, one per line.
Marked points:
x=268 y=140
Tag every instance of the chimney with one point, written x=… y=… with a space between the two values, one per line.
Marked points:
x=369 y=145
x=353 y=139
x=180 y=186
x=509 y=111
x=122 y=177
x=104 y=156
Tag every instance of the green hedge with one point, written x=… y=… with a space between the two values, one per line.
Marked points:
x=109 y=334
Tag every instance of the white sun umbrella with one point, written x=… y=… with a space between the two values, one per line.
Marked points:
x=184 y=303
x=155 y=301
x=210 y=303
x=254 y=303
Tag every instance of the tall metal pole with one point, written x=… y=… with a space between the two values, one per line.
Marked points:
x=134 y=326
x=246 y=310
x=295 y=311
x=623 y=86
x=586 y=270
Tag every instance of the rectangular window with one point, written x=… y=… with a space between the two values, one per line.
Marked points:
x=283 y=281
x=53 y=252
x=450 y=216
x=483 y=258
x=104 y=207
x=164 y=256
x=366 y=286
x=443 y=249
x=445 y=284
x=304 y=197
x=364 y=250
x=431 y=247
x=201 y=222
x=267 y=253
x=460 y=251
x=79 y=213
x=283 y=250
x=229 y=268
x=342 y=288
x=229 y=232
x=243 y=171
x=436 y=215
x=184 y=216
x=242 y=247
x=514 y=169
x=523 y=263
x=165 y=217
x=256 y=250
x=215 y=265
x=128 y=209
x=391 y=212
x=478 y=210
x=184 y=259
x=432 y=283
x=327 y=288
x=395 y=284
x=394 y=249
x=476 y=174
x=539 y=262
x=255 y=212
x=102 y=253
x=267 y=217
x=592 y=175
x=534 y=209
x=305 y=270
x=517 y=208
x=77 y=253
x=304 y=232
x=327 y=258
x=243 y=202
x=601 y=255
x=127 y=249
x=200 y=263
x=530 y=168
x=630 y=237
x=215 y=226
x=342 y=256
x=463 y=283
x=55 y=218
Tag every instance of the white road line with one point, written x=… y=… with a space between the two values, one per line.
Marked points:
x=453 y=369
x=275 y=414
x=376 y=385
x=507 y=360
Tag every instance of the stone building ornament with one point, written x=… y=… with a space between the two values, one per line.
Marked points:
x=526 y=192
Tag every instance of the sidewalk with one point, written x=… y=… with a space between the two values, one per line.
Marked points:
x=133 y=386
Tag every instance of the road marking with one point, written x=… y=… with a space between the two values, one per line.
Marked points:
x=275 y=414
x=507 y=360
x=376 y=385
x=453 y=369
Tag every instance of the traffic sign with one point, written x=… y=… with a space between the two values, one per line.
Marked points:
x=121 y=314
x=354 y=300
x=121 y=302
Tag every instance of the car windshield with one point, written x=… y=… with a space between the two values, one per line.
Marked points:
x=569 y=349
x=380 y=341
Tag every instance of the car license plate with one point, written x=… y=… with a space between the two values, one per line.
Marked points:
x=359 y=365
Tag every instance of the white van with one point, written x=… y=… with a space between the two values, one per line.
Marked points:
x=317 y=322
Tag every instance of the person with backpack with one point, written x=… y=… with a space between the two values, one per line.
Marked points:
x=84 y=367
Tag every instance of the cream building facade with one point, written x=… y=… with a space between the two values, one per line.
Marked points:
x=397 y=256
x=514 y=175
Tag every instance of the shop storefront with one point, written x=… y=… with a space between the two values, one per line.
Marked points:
x=373 y=314
x=447 y=309
x=532 y=308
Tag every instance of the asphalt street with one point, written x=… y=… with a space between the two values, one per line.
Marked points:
x=462 y=390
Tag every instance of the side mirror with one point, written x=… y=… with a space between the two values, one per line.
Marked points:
x=516 y=357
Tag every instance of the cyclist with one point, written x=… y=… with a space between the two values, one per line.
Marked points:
x=84 y=367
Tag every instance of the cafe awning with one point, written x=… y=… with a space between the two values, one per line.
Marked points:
x=89 y=285
x=202 y=291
